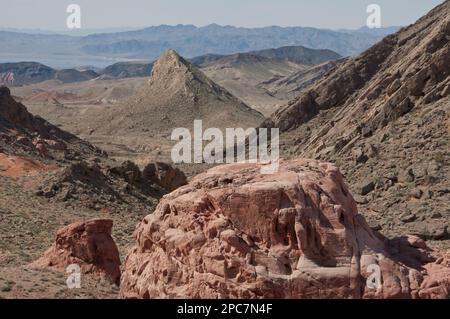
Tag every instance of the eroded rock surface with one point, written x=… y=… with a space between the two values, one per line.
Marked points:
x=88 y=244
x=383 y=118
x=234 y=233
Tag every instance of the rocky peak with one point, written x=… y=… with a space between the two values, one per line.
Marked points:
x=172 y=74
x=170 y=62
x=176 y=94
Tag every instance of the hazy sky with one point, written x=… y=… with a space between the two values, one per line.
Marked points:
x=335 y=14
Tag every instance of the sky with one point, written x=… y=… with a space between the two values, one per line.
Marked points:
x=97 y=14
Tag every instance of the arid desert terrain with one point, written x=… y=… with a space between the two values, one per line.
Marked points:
x=87 y=176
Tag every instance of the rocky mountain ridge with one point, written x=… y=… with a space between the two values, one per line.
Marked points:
x=383 y=117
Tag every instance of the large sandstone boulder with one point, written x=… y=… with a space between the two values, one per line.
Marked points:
x=88 y=244
x=235 y=233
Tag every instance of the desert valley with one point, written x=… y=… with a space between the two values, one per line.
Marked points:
x=87 y=178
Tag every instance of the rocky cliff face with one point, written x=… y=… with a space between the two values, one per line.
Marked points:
x=234 y=233
x=383 y=118
x=403 y=71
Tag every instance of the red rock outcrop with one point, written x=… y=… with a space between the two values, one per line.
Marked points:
x=437 y=283
x=235 y=233
x=164 y=175
x=88 y=244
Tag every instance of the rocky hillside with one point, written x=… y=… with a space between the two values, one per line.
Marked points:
x=290 y=87
x=71 y=169
x=299 y=54
x=295 y=54
x=23 y=133
x=176 y=94
x=73 y=75
x=242 y=73
x=50 y=178
x=383 y=117
x=24 y=73
x=266 y=79
x=127 y=70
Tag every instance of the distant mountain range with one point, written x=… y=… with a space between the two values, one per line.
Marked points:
x=296 y=54
x=71 y=32
x=102 y=49
x=23 y=73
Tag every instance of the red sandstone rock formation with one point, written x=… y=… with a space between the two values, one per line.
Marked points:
x=234 y=233
x=88 y=244
x=437 y=283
